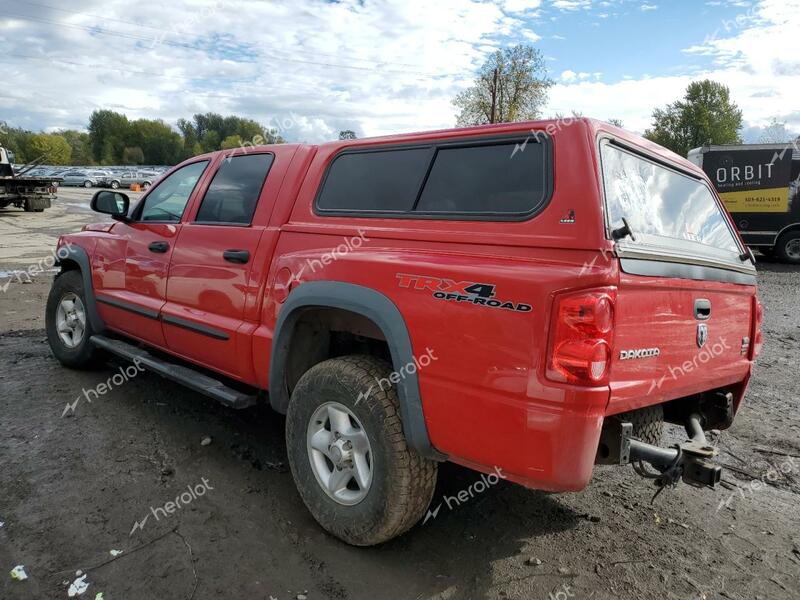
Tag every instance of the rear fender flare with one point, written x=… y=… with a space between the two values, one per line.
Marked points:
x=381 y=311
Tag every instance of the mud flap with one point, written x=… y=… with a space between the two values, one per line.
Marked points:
x=37 y=203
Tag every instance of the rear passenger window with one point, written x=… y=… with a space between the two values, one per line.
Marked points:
x=386 y=180
x=490 y=180
x=486 y=179
x=234 y=191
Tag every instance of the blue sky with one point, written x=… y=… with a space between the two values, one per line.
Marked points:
x=310 y=68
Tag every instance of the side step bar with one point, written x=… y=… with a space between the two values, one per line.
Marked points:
x=186 y=376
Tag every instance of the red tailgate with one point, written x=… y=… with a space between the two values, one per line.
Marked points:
x=661 y=351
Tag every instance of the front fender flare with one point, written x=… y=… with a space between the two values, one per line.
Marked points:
x=79 y=256
x=381 y=311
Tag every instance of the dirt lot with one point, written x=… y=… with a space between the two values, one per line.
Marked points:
x=74 y=484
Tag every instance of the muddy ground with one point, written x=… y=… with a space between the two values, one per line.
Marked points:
x=73 y=486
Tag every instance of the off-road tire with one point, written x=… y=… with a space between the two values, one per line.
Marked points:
x=85 y=355
x=403 y=482
x=782 y=247
x=648 y=423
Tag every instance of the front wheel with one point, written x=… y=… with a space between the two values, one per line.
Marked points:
x=788 y=247
x=67 y=322
x=115 y=185
x=348 y=455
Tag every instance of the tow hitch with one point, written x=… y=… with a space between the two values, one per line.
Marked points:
x=691 y=461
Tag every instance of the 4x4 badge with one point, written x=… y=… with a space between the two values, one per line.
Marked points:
x=479 y=294
x=702 y=334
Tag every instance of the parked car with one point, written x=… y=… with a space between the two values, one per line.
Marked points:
x=127 y=178
x=87 y=179
x=524 y=299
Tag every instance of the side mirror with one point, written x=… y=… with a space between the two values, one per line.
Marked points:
x=115 y=204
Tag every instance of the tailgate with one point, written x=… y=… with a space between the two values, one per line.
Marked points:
x=675 y=337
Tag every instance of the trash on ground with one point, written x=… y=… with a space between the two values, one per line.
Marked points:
x=206 y=441
x=78 y=586
x=115 y=552
x=19 y=573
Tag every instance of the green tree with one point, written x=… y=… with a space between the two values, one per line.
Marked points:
x=17 y=141
x=108 y=132
x=132 y=155
x=52 y=146
x=616 y=123
x=512 y=85
x=81 y=146
x=705 y=115
x=160 y=144
x=347 y=134
x=232 y=141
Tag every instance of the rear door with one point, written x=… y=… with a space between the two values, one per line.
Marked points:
x=210 y=272
x=686 y=292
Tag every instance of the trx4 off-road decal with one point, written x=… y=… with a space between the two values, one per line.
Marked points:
x=479 y=294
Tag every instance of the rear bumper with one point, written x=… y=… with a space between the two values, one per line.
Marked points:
x=543 y=446
x=557 y=448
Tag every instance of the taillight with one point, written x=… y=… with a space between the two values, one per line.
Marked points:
x=758 y=335
x=581 y=337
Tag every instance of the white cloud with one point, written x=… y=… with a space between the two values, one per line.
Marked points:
x=317 y=67
x=753 y=58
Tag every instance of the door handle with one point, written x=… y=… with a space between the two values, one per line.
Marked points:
x=702 y=309
x=160 y=247
x=236 y=256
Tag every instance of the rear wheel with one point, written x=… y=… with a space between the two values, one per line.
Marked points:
x=67 y=322
x=115 y=185
x=788 y=247
x=145 y=185
x=348 y=455
x=87 y=184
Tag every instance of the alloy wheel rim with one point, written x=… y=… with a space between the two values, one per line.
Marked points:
x=71 y=320
x=340 y=453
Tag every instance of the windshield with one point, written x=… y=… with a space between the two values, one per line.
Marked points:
x=660 y=205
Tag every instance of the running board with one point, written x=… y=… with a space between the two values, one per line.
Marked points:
x=186 y=376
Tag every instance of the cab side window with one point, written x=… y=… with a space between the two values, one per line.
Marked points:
x=233 y=194
x=167 y=202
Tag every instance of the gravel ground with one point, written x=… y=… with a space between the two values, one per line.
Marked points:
x=73 y=487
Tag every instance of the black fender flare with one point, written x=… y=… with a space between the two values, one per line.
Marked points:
x=78 y=255
x=381 y=311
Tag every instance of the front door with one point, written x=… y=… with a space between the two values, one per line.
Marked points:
x=132 y=264
x=209 y=276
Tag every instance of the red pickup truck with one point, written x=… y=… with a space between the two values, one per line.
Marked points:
x=525 y=299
